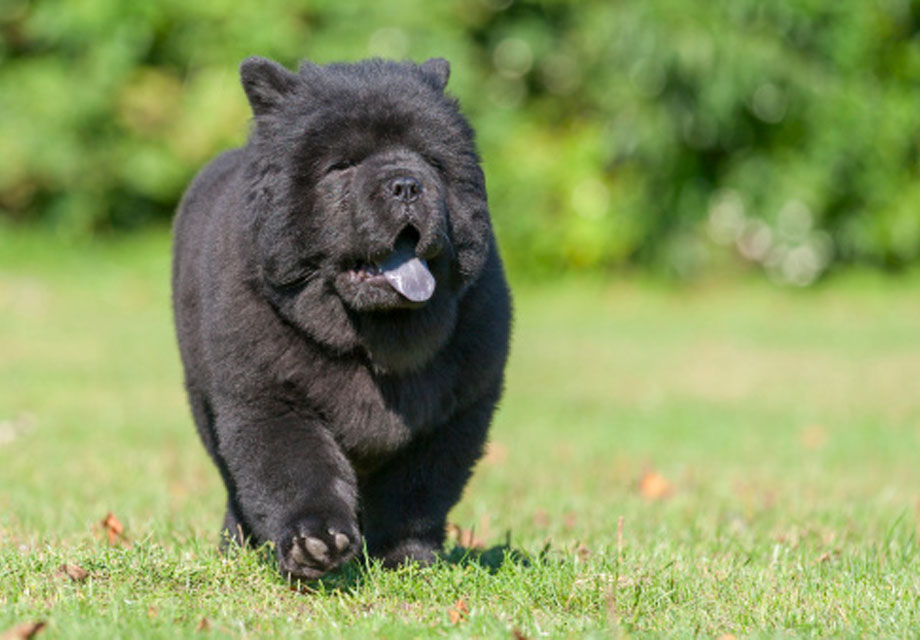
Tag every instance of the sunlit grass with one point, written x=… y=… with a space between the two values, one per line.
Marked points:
x=786 y=424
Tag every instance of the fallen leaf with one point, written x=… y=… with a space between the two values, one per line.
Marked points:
x=654 y=486
x=827 y=556
x=813 y=437
x=484 y=528
x=114 y=529
x=23 y=631
x=464 y=537
x=458 y=612
x=12 y=428
x=203 y=625
x=301 y=587
x=541 y=518
x=74 y=572
x=496 y=453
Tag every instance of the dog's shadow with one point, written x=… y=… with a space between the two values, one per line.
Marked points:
x=491 y=559
x=357 y=572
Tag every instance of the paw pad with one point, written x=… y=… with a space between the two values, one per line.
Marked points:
x=313 y=550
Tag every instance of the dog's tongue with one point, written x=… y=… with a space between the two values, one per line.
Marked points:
x=407 y=273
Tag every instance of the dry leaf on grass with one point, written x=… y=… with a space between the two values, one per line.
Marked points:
x=114 y=529
x=464 y=537
x=827 y=556
x=23 y=631
x=302 y=588
x=496 y=453
x=654 y=486
x=813 y=437
x=12 y=428
x=458 y=612
x=73 y=571
x=541 y=518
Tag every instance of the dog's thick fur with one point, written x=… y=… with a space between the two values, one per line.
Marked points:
x=333 y=406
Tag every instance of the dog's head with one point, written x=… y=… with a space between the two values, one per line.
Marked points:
x=365 y=190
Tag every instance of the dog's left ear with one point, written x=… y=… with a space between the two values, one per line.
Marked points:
x=437 y=70
x=266 y=83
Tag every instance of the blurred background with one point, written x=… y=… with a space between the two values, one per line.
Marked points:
x=710 y=214
x=780 y=137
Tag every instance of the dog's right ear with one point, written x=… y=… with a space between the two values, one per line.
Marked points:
x=437 y=70
x=266 y=83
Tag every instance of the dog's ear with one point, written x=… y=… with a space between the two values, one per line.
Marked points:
x=437 y=70
x=266 y=83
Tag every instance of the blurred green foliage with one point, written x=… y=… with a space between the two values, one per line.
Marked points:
x=676 y=134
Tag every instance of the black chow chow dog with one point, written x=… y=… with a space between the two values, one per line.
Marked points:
x=342 y=312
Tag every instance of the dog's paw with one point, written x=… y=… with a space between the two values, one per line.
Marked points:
x=317 y=545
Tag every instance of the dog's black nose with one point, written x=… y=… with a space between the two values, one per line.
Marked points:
x=405 y=188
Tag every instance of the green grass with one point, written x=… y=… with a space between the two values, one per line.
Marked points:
x=787 y=424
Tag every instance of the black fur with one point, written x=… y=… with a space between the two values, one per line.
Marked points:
x=333 y=406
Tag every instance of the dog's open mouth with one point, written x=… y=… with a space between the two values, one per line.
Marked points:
x=402 y=270
x=362 y=272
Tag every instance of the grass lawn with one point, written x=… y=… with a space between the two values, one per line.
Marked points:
x=726 y=460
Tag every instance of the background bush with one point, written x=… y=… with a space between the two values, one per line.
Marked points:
x=636 y=132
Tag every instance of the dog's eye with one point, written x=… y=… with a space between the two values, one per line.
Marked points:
x=341 y=165
x=435 y=162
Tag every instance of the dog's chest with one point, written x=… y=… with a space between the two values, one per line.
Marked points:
x=374 y=417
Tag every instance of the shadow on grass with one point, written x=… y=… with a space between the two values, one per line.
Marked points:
x=491 y=559
x=355 y=573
